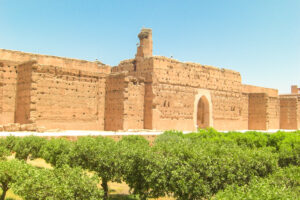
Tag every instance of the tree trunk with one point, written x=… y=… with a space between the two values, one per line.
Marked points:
x=3 y=194
x=105 y=189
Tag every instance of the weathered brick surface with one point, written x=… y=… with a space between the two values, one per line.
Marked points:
x=289 y=111
x=8 y=82
x=258 y=111
x=273 y=113
x=24 y=93
x=69 y=63
x=67 y=98
x=175 y=84
x=124 y=107
x=147 y=92
x=256 y=89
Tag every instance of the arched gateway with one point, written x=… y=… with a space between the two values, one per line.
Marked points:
x=203 y=109
x=203 y=113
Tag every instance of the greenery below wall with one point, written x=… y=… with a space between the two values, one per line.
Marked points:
x=202 y=165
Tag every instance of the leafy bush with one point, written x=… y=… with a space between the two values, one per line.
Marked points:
x=289 y=151
x=202 y=134
x=188 y=166
x=10 y=142
x=29 y=145
x=250 y=139
x=3 y=150
x=99 y=155
x=56 y=151
x=8 y=174
x=199 y=169
x=58 y=184
x=142 y=169
x=283 y=184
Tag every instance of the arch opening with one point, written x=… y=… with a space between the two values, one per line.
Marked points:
x=203 y=113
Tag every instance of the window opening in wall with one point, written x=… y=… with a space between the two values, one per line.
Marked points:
x=165 y=103
x=134 y=65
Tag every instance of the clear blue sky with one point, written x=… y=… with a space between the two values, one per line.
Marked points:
x=258 y=38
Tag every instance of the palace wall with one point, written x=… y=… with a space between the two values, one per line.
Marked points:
x=273 y=113
x=8 y=84
x=147 y=92
x=264 y=112
x=175 y=85
x=114 y=102
x=24 y=93
x=289 y=111
x=256 y=89
x=69 y=63
x=124 y=107
x=52 y=91
x=68 y=98
x=142 y=68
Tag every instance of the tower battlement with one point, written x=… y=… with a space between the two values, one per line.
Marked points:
x=145 y=47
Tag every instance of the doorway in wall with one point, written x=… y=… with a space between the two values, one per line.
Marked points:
x=203 y=113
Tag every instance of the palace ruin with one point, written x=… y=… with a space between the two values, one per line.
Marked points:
x=146 y=92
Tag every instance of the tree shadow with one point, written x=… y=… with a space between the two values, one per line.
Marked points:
x=122 y=197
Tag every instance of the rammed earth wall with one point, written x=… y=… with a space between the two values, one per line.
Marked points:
x=147 y=92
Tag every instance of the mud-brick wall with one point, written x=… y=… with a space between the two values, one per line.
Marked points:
x=264 y=112
x=173 y=107
x=23 y=96
x=229 y=110
x=138 y=66
x=223 y=85
x=258 y=111
x=298 y=112
x=124 y=105
x=69 y=63
x=273 y=113
x=288 y=112
x=125 y=65
x=67 y=98
x=245 y=110
x=196 y=75
x=141 y=68
x=114 y=102
x=134 y=95
x=8 y=82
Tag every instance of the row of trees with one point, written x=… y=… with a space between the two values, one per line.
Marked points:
x=202 y=165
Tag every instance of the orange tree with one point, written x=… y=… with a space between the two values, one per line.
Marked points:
x=99 y=155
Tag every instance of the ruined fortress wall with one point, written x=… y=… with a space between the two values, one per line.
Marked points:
x=173 y=107
x=142 y=68
x=245 y=110
x=134 y=95
x=289 y=105
x=258 y=111
x=23 y=95
x=174 y=81
x=18 y=56
x=125 y=65
x=256 y=89
x=271 y=103
x=67 y=98
x=114 y=102
x=273 y=113
x=137 y=67
x=298 y=112
x=124 y=108
x=8 y=85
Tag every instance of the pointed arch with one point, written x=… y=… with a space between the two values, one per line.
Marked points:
x=203 y=109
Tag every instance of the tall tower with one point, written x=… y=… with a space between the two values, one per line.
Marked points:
x=295 y=89
x=145 y=47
